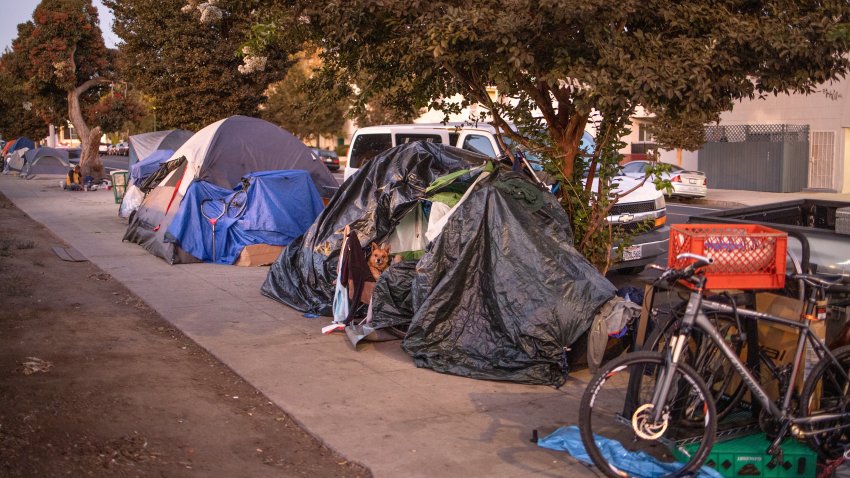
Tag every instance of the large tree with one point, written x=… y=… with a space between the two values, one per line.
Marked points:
x=557 y=62
x=185 y=56
x=62 y=55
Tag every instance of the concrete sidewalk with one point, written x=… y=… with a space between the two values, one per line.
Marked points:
x=735 y=198
x=373 y=405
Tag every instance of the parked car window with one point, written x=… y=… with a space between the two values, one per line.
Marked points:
x=479 y=144
x=368 y=146
x=635 y=167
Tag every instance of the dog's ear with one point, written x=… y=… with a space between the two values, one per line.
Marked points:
x=373 y=246
x=386 y=247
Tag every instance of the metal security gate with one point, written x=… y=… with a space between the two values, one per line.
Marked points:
x=772 y=158
x=822 y=160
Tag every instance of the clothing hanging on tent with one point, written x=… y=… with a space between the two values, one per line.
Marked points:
x=341 y=303
x=356 y=274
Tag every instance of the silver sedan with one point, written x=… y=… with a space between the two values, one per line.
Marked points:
x=685 y=183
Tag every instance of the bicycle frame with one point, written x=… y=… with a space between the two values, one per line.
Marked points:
x=695 y=317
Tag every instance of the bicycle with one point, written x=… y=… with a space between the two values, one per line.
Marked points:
x=642 y=399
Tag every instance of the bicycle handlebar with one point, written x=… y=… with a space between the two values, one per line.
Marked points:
x=672 y=275
x=814 y=280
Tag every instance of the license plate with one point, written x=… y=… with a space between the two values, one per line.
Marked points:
x=693 y=181
x=632 y=253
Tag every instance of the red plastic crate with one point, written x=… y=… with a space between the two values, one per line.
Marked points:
x=746 y=256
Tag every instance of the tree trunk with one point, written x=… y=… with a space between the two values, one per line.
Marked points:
x=90 y=163
x=75 y=114
x=568 y=140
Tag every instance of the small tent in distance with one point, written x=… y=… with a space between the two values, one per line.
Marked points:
x=13 y=153
x=45 y=160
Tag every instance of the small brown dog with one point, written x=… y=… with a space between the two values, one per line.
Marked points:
x=379 y=259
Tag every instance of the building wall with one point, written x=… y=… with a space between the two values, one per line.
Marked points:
x=827 y=110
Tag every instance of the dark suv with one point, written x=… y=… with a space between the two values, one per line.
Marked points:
x=330 y=158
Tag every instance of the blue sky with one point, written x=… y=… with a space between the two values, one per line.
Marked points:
x=13 y=12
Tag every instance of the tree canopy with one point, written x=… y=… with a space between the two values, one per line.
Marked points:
x=186 y=58
x=559 y=60
x=556 y=63
x=20 y=117
x=293 y=104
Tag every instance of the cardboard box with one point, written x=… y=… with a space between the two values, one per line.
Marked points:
x=258 y=255
x=779 y=343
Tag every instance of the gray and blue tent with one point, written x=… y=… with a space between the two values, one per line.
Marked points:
x=220 y=154
x=14 y=156
x=45 y=160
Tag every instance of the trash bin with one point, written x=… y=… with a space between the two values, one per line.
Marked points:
x=119 y=185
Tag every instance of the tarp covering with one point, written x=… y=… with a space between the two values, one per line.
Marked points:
x=221 y=154
x=501 y=292
x=143 y=145
x=45 y=161
x=372 y=202
x=635 y=463
x=280 y=206
x=144 y=168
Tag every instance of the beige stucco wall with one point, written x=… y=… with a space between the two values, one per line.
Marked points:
x=825 y=110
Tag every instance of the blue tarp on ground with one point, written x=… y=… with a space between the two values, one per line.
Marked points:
x=637 y=463
x=144 y=168
x=281 y=206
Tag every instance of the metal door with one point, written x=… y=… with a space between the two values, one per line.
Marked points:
x=822 y=160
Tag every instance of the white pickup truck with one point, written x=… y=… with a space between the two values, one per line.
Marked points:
x=645 y=204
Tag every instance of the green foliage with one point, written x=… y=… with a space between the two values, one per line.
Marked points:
x=19 y=117
x=190 y=68
x=295 y=105
x=115 y=110
x=554 y=62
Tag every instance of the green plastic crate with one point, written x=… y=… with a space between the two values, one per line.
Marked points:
x=746 y=456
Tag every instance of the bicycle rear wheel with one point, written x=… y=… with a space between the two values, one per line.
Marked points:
x=827 y=391
x=706 y=359
x=617 y=405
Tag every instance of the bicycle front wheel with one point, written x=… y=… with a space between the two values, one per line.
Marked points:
x=827 y=392
x=707 y=360
x=617 y=405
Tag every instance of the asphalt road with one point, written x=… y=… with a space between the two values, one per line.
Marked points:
x=678 y=213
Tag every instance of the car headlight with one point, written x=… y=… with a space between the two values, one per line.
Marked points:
x=659 y=202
